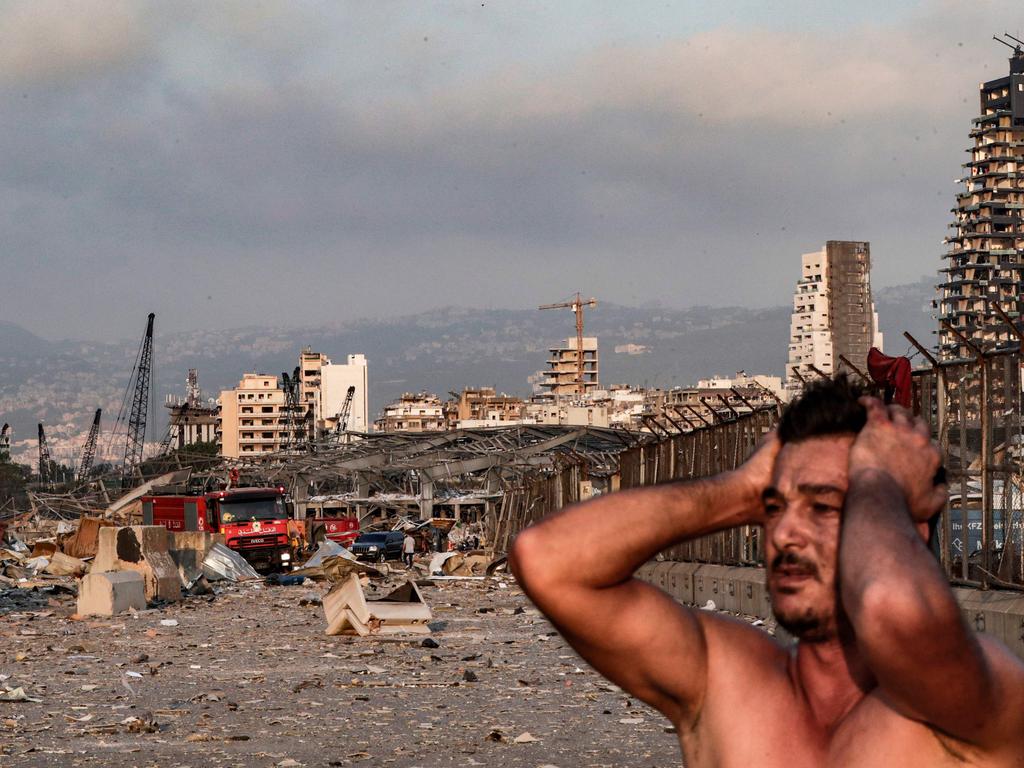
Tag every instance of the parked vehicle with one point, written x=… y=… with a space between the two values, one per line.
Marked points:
x=379 y=546
x=254 y=522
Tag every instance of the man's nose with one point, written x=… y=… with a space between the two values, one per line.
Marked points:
x=790 y=530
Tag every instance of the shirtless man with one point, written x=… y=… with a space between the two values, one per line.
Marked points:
x=885 y=672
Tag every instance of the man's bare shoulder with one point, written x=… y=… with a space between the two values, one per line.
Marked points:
x=737 y=649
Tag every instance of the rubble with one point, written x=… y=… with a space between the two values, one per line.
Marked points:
x=400 y=611
x=223 y=564
x=141 y=548
x=250 y=678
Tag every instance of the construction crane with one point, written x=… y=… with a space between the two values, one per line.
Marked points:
x=5 y=442
x=346 y=409
x=136 y=436
x=45 y=463
x=576 y=305
x=89 y=451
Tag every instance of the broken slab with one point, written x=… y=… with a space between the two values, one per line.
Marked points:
x=402 y=611
x=84 y=541
x=107 y=594
x=142 y=548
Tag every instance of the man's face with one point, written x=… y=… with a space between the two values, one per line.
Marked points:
x=803 y=509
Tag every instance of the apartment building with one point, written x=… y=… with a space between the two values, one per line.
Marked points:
x=985 y=262
x=833 y=314
x=419 y=412
x=252 y=417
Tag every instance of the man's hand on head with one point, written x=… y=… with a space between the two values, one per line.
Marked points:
x=898 y=444
x=755 y=474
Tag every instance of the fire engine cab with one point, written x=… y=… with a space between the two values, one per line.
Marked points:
x=254 y=521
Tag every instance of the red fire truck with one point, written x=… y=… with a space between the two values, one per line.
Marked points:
x=255 y=522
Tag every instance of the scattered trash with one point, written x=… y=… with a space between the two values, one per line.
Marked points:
x=17 y=694
x=709 y=606
x=223 y=564
x=525 y=738
x=286 y=579
x=168 y=622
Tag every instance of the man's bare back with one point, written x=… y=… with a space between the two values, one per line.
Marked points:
x=885 y=672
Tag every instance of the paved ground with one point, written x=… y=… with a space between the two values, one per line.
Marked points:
x=247 y=678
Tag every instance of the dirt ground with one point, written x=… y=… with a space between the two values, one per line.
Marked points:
x=247 y=678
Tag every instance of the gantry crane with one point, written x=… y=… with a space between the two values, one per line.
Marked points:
x=5 y=442
x=89 y=451
x=576 y=305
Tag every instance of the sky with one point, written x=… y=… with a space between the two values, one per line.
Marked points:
x=227 y=164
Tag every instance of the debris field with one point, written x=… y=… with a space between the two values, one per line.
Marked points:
x=246 y=676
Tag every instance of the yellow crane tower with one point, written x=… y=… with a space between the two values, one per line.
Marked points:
x=576 y=305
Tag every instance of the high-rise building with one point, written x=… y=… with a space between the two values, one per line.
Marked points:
x=335 y=381
x=561 y=376
x=833 y=313
x=985 y=261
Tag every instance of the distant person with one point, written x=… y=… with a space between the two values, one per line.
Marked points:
x=885 y=671
x=408 y=549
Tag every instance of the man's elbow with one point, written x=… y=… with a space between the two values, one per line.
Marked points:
x=531 y=560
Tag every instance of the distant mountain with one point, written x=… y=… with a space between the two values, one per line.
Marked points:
x=61 y=383
x=15 y=341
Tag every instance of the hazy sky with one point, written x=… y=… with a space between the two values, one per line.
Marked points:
x=237 y=163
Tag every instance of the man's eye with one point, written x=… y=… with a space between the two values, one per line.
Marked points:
x=772 y=509
x=824 y=509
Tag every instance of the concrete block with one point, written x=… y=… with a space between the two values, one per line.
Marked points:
x=646 y=572
x=107 y=594
x=661 y=571
x=142 y=548
x=680 y=582
x=731 y=589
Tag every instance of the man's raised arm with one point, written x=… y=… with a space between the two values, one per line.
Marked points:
x=905 y=618
x=577 y=566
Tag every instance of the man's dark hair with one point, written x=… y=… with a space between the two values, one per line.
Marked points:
x=826 y=407
x=831 y=407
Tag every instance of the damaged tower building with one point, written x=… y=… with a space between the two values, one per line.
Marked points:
x=985 y=260
x=833 y=314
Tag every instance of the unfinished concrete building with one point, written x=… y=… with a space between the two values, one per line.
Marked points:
x=985 y=261
x=561 y=376
x=833 y=314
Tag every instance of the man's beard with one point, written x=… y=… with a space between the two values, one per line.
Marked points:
x=807 y=624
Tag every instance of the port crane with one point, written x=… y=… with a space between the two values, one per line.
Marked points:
x=345 y=412
x=89 y=451
x=135 y=436
x=5 y=442
x=576 y=305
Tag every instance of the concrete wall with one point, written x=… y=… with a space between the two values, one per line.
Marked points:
x=742 y=590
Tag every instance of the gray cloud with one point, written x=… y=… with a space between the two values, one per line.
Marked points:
x=238 y=163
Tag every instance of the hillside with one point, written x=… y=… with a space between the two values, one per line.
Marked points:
x=61 y=383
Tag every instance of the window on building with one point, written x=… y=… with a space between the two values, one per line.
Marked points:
x=267 y=409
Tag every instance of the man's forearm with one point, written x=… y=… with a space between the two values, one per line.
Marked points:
x=881 y=546
x=602 y=541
